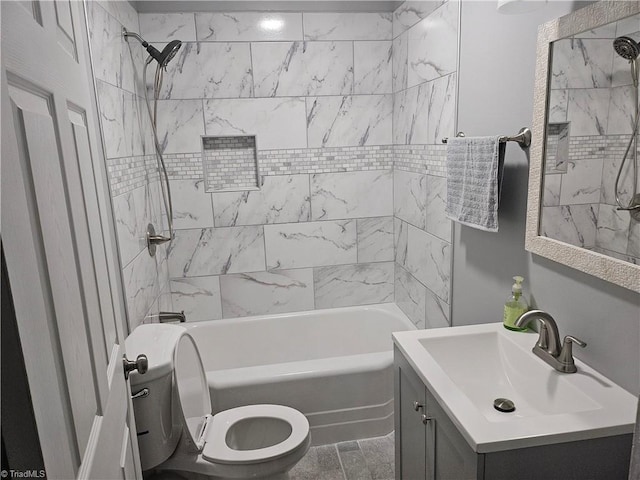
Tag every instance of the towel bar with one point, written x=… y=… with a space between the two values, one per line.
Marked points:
x=523 y=138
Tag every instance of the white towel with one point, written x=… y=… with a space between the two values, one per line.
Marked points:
x=474 y=175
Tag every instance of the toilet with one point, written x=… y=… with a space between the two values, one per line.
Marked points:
x=177 y=430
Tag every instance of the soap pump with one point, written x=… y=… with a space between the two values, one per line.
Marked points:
x=515 y=306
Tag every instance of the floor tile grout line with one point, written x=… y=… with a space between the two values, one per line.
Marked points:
x=370 y=468
x=344 y=473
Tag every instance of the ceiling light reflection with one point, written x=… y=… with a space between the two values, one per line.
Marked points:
x=271 y=24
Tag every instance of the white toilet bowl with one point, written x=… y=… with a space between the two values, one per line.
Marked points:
x=176 y=430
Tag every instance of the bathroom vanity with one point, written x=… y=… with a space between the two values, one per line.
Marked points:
x=563 y=426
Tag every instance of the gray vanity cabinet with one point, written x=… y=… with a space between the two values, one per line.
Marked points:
x=453 y=458
x=432 y=447
x=411 y=434
x=428 y=445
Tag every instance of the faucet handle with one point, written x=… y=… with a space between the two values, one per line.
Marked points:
x=568 y=339
x=566 y=355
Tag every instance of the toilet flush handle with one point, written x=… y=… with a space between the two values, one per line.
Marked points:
x=141 y=394
x=141 y=364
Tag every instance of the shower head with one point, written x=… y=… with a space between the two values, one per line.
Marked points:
x=626 y=47
x=162 y=57
x=167 y=53
x=170 y=50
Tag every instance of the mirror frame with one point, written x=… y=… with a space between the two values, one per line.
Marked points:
x=619 y=272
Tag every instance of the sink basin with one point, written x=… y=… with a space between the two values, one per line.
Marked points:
x=467 y=368
x=500 y=369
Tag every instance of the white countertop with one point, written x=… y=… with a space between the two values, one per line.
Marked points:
x=488 y=361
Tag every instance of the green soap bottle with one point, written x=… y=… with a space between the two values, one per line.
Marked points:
x=515 y=306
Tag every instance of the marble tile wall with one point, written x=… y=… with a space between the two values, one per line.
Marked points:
x=301 y=242
x=593 y=97
x=345 y=108
x=425 y=43
x=295 y=80
x=582 y=196
x=424 y=71
x=315 y=89
x=130 y=160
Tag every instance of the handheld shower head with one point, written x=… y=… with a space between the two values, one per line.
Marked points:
x=170 y=51
x=167 y=53
x=627 y=48
x=162 y=57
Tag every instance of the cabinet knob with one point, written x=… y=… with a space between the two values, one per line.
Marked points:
x=425 y=419
x=417 y=406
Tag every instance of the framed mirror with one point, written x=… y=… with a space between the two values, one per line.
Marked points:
x=581 y=182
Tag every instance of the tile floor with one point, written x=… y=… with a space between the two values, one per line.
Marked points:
x=367 y=459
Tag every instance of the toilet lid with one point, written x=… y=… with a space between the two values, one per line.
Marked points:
x=224 y=425
x=191 y=385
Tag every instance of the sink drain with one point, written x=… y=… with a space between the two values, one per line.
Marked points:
x=504 y=405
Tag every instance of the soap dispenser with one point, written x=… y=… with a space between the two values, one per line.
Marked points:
x=515 y=306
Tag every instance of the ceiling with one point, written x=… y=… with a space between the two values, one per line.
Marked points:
x=164 y=6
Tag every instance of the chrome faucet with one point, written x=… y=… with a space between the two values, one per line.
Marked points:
x=164 y=317
x=548 y=345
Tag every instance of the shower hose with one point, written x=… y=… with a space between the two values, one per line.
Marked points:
x=153 y=117
x=633 y=202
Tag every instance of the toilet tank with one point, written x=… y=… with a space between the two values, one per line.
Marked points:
x=158 y=428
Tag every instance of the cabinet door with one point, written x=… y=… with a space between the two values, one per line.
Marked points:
x=449 y=456
x=410 y=431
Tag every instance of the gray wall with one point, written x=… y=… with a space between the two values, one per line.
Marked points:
x=496 y=80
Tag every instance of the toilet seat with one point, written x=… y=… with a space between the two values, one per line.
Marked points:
x=217 y=450
x=210 y=435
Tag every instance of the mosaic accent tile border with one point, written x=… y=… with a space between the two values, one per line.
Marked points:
x=326 y=160
x=188 y=166
x=588 y=147
x=128 y=173
x=429 y=159
x=184 y=166
x=596 y=147
x=616 y=146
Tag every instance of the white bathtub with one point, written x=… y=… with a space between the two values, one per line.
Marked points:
x=333 y=365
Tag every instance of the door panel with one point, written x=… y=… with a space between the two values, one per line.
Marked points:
x=58 y=231
x=25 y=258
x=63 y=15
x=88 y=190
x=38 y=139
x=88 y=266
x=33 y=7
x=65 y=33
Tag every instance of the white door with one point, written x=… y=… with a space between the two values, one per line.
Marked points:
x=60 y=247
